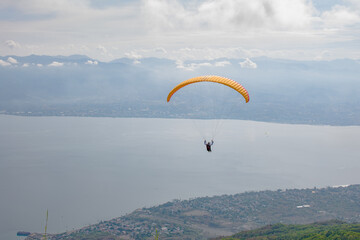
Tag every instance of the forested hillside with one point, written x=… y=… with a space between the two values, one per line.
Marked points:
x=323 y=230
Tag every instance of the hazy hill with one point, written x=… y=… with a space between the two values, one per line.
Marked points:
x=224 y=215
x=313 y=92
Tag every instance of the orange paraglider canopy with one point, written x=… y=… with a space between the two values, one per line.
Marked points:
x=216 y=79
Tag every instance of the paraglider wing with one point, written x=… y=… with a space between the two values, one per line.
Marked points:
x=216 y=79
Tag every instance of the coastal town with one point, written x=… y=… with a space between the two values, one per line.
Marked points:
x=206 y=217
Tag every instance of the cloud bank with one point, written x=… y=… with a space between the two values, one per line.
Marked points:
x=230 y=14
x=179 y=29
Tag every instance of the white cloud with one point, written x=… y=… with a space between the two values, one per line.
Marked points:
x=25 y=65
x=341 y=16
x=354 y=4
x=192 y=66
x=90 y=62
x=39 y=65
x=133 y=55
x=12 y=44
x=222 y=64
x=12 y=60
x=56 y=64
x=4 y=64
x=248 y=64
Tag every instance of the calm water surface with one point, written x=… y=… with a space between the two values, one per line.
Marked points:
x=84 y=170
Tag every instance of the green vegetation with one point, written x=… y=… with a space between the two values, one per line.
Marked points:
x=325 y=230
x=156 y=235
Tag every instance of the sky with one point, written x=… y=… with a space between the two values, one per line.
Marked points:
x=182 y=29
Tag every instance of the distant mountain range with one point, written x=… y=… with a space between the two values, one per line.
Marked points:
x=286 y=91
x=206 y=217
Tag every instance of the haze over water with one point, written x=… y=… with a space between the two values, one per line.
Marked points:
x=84 y=170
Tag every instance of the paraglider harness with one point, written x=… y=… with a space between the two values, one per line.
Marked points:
x=208 y=145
